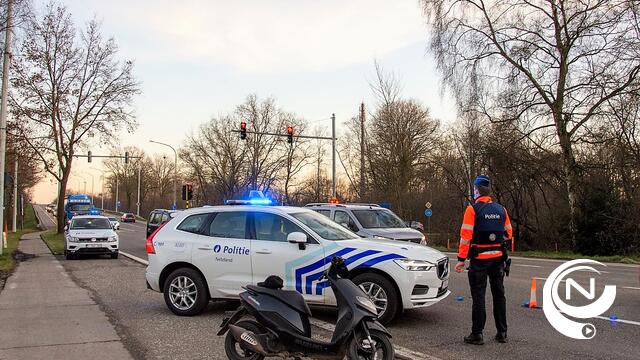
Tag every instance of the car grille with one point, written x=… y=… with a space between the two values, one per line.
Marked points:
x=443 y=268
x=102 y=239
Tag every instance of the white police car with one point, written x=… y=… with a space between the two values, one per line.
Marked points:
x=211 y=252
x=90 y=235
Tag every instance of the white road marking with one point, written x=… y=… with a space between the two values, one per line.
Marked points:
x=630 y=287
x=401 y=352
x=134 y=258
x=525 y=265
x=630 y=322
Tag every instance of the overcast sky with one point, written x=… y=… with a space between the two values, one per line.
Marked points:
x=198 y=59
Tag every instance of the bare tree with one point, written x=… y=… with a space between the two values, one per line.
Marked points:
x=266 y=158
x=547 y=64
x=217 y=160
x=69 y=87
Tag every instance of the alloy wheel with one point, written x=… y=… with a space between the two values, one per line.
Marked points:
x=183 y=293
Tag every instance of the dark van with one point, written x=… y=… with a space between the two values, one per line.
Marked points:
x=157 y=218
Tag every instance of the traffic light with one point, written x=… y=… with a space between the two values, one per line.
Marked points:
x=126 y=157
x=89 y=156
x=243 y=130
x=290 y=134
x=187 y=192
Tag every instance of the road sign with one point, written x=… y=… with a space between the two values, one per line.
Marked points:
x=428 y=212
x=427 y=205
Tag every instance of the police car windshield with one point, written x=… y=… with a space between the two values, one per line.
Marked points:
x=323 y=226
x=90 y=223
x=79 y=207
x=378 y=218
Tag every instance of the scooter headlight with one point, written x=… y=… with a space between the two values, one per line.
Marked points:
x=414 y=265
x=366 y=303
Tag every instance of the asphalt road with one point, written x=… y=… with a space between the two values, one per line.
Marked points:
x=153 y=332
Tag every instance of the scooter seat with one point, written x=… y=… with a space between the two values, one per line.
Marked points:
x=289 y=297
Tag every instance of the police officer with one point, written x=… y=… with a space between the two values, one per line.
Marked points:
x=485 y=229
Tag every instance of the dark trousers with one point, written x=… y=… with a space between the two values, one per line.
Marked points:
x=479 y=270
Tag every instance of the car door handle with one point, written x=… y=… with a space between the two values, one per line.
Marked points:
x=263 y=251
x=204 y=248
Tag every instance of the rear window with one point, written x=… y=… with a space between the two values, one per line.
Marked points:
x=193 y=223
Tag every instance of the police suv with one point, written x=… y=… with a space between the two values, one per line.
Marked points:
x=213 y=251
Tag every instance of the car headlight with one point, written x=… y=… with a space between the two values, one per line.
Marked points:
x=113 y=238
x=366 y=303
x=381 y=237
x=414 y=265
x=73 y=239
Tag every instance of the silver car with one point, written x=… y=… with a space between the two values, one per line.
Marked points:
x=369 y=220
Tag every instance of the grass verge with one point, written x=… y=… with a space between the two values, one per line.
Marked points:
x=562 y=255
x=7 y=262
x=54 y=241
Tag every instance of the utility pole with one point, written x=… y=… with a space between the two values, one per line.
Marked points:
x=3 y=103
x=117 y=192
x=333 y=153
x=15 y=192
x=138 y=202
x=362 y=152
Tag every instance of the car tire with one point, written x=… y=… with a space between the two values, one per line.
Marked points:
x=183 y=281
x=370 y=283
x=115 y=255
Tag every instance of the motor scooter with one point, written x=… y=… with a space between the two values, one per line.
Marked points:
x=272 y=322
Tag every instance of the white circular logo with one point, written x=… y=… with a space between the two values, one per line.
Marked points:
x=492 y=237
x=556 y=310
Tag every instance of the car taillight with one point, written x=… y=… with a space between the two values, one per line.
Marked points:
x=150 y=248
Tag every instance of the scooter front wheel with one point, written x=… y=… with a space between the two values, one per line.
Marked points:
x=233 y=349
x=383 y=347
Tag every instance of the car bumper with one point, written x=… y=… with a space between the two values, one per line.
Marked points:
x=92 y=248
x=153 y=280
x=422 y=288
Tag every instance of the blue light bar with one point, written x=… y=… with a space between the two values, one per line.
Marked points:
x=259 y=201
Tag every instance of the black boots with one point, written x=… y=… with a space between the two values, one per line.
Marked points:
x=475 y=339
x=501 y=337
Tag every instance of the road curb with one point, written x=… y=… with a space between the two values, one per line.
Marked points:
x=134 y=258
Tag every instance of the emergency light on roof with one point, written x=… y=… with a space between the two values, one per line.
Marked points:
x=255 y=198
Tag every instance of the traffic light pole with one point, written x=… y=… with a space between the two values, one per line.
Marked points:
x=333 y=146
x=333 y=153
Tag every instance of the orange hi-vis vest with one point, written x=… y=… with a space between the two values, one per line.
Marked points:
x=487 y=243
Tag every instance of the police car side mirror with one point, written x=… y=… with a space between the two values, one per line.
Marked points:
x=298 y=238
x=66 y=228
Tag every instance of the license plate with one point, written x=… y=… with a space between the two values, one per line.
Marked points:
x=93 y=245
x=445 y=284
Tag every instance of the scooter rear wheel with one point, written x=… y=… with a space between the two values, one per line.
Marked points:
x=232 y=347
x=383 y=351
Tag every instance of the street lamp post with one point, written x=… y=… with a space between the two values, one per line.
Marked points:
x=175 y=170
x=102 y=187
